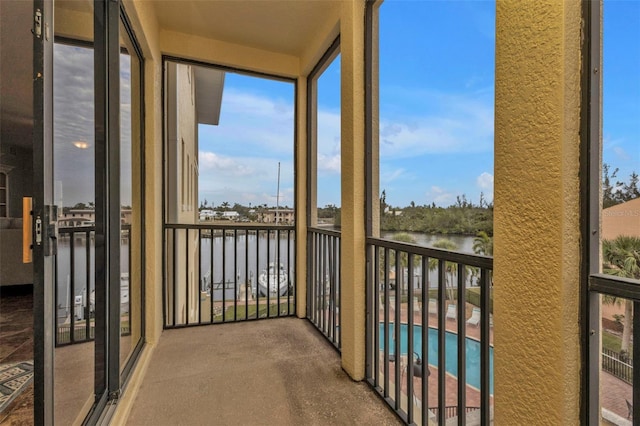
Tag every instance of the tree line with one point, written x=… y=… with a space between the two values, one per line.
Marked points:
x=615 y=191
x=462 y=218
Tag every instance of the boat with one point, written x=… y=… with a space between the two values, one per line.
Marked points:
x=273 y=281
x=124 y=294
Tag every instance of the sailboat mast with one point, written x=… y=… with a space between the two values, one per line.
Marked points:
x=278 y=194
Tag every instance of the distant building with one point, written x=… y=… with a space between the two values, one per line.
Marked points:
x=87 y=217
x=621 y=219
x=392 y=212
x=76 y=217
x=193 y=96
x=207 y=214
x=210 y=214
x=277 y=216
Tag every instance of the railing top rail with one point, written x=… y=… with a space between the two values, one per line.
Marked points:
x=468 y=259
x=325 y=231
x=72 y=229
x=612 y=285
x=626 y=364
x=85 y=228
x=227 y=227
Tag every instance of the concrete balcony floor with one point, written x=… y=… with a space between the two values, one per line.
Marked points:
x=279 y=371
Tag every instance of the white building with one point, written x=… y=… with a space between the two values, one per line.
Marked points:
x=193 y=97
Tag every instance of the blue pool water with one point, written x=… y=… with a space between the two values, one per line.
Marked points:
x=472 y=347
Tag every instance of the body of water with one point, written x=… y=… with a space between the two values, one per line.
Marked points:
x=465 y=245
x=253 y=254
x=76 y=274
x=464 y=242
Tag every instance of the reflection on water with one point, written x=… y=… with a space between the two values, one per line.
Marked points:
x=464 y=242
x=465 y=245
x=74 y=270
x=253 y=255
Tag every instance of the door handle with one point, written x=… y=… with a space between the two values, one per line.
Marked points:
x=50 y=230
x=27 y=236
x=46 y=230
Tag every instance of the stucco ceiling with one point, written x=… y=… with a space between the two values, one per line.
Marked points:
x=274 y=25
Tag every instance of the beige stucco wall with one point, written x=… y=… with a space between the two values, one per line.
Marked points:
x=301 y=198
x=352 y=249
x=623 y=219
x=145 y=27
x=537 y=233
x=185 y=141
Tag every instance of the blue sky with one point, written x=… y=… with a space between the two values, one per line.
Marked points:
x=238 y=159
x=436 y=111
x=621 y=86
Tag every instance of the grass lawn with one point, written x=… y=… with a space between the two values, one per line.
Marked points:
x=613 y=342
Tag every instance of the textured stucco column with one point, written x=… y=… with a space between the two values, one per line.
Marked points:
x=536 y=220
x=352 y=261
x=145 y=25
x=301 y=198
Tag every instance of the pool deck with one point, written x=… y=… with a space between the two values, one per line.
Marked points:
x=451 y=382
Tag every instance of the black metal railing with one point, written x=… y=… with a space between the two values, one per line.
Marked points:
x=323 y=287
x=620 y=367
x=443 y=303
x=74 y=284
x=220 y=273
x=623 y=290
x=451 y=411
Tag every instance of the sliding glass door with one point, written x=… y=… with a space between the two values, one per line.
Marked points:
x=84 y=222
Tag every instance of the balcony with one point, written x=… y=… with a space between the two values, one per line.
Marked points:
x=278 y=371
x=276 y=365
x=544 y=101
x=213 y=277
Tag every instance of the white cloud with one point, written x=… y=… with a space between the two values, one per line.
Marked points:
x=328 y=133
x=220 y=163
x=244 y=179
x=621 y=153
x=485 y=181
x=449 y=124
x=388 y=177
x=236 y=102
x=440 y=196
x=329 y=164
x=251 y=122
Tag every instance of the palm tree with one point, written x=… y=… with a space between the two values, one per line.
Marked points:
x=621 y=258
x=449 y=267
x=402 y=237
x=483 y=244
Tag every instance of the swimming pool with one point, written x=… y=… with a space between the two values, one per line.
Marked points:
x=472 y=349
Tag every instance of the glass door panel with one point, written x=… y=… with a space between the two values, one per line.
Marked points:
x=74 y=195
x=131 y=187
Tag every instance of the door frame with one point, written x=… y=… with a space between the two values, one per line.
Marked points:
x=42 y=195
x=107 y=202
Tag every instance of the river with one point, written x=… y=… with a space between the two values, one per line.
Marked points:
x=234 y=267
x=464 y=242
